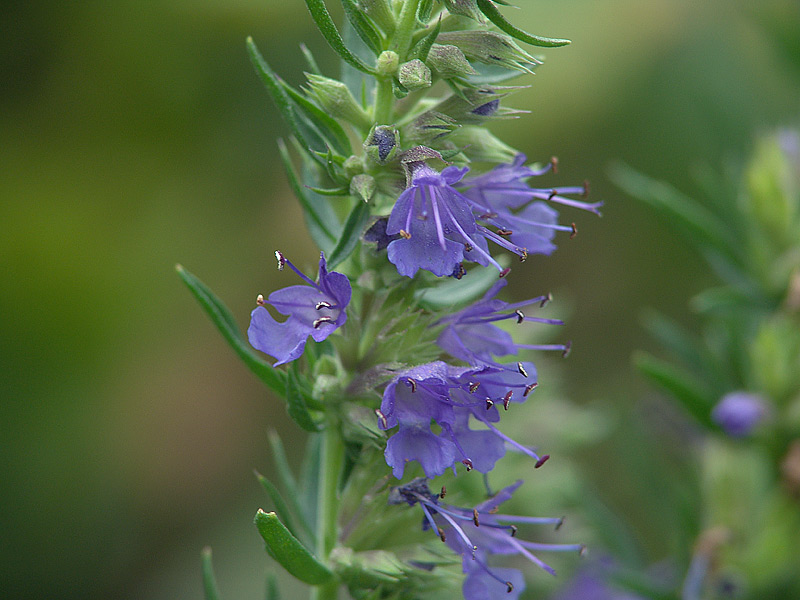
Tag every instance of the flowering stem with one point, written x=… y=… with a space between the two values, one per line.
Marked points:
x=331 y=461
x=405 y=28
x=384 y=101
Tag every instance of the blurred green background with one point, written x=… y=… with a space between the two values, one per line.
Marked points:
x=135 y=135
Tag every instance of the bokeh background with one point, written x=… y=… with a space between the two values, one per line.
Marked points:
x=135 y=135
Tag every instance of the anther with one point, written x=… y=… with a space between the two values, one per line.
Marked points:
x=504 y=232
x=468 y=247
x=509 y=587
x=521 y=370
x=382 y=418
x=523 y=254
x=443 y=493
x=322 y=304
x=541 y=461
x=489 y=403
x=488 y=215
x=554 y=162
x=413 y=385
x=473 y=386
x=560 y=523
x=460 y=271
x=548 y=298
x=513 y=531
x=520 y=315
x=505 y=272
x=507 y=399
x=553 y=194
x=281 y=260
x=404 y=234
x=494 y=510
x=574 y=232
x=475 y=517
x=320 y=321
x=585 y=188
x=441 y=534
x=567 y=348
x=529 y=388
x=467 y=463
x=582 y=551
x=260 y=300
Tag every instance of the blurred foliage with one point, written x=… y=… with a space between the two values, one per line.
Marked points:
x=134 y=133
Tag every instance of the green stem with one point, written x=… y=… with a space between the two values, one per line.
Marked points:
x=384 y=101
x=406 y=26
x=332 y=460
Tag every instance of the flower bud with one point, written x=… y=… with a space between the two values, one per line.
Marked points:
x=381 y=143
x=465 y=8
x=387 y=63
x=475 y=106
x=430 y=125
x=491 y=48
x=738 y=413
x=478 y=144
x=379 y=11
x=334 y=97
x=449 y=61
x=414 y=75
x=353 y=166
x=363 y=186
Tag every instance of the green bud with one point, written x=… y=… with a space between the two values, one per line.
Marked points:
x=491 y=48
x=449 y=61
x=414 y=75
x=480 y=145
x=334 y=97
x=353 y=166
x=363 y=186
x=775 y=355
x=381 y=144
x=475 y=105
x=387 y=63
x=465 y=8
x=429 y=126
x=379 y=11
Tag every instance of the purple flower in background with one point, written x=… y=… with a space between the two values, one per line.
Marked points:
x=436 y=225
x=472 y=336
x=479 y=532
x=738 y=413
x=452 y=397
x=315 y=309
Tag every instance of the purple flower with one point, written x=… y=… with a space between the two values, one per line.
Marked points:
x=453 y=398
x=476 y=534
x=472 y=336
x=738 y=413
x=315 y=309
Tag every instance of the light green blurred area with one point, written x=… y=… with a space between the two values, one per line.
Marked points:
x=134 y=135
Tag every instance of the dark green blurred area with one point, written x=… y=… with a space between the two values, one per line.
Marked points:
x=135 y=135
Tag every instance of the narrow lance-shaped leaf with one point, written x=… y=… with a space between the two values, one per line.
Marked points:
x=351 y=234
x=327 y=126
x=495 y=16
x=210 y=590
x=296 y=402
x=227 y=326
x=322 y=18
x=289 y=552
x=273 y=593
x=283 y=509
x=423 y=46
x=363 y=26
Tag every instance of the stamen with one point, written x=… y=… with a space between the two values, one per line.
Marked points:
x=281 y=260
x=322 y=304
x=382 y=418
x=554 y=162
x=567 y=348
x=460 y=271
x=524 y=255
x=541 y=461
x=441 y=534
x=443 y=493
x=467 y=463
x=574 y=232
x=413 y=385
x=404 y=234
x=320 y=321
x=520 y=315
x=509 y=587
x=487 y=216
x=560 y=523
x=513 y=530
x=548 y=298
x=521 y=370
x=468 y=247
x=475 y=517
x=553 y=194
x=530 y=387
x=473 y=386
x=489 y=403
x=585 y=188
x=505 y=232
x=505 y=272
x=260 y=300
x=507 y=399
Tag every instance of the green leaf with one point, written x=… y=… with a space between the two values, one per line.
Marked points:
x=493 y=14
x=363 y=26
x=273 y=593
x=296 y=401
x=326 y=125
x=455 y=292
x=289 y=552
x=283 y=509
x=281 y=98
x=210 y=590
x=222 y=318
x=318 y=222
x=313 y=67
x=424 y=45
x=681 y=384
x=351 y=234
x=322 y=18
x=339 y=191
x=424 y=11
